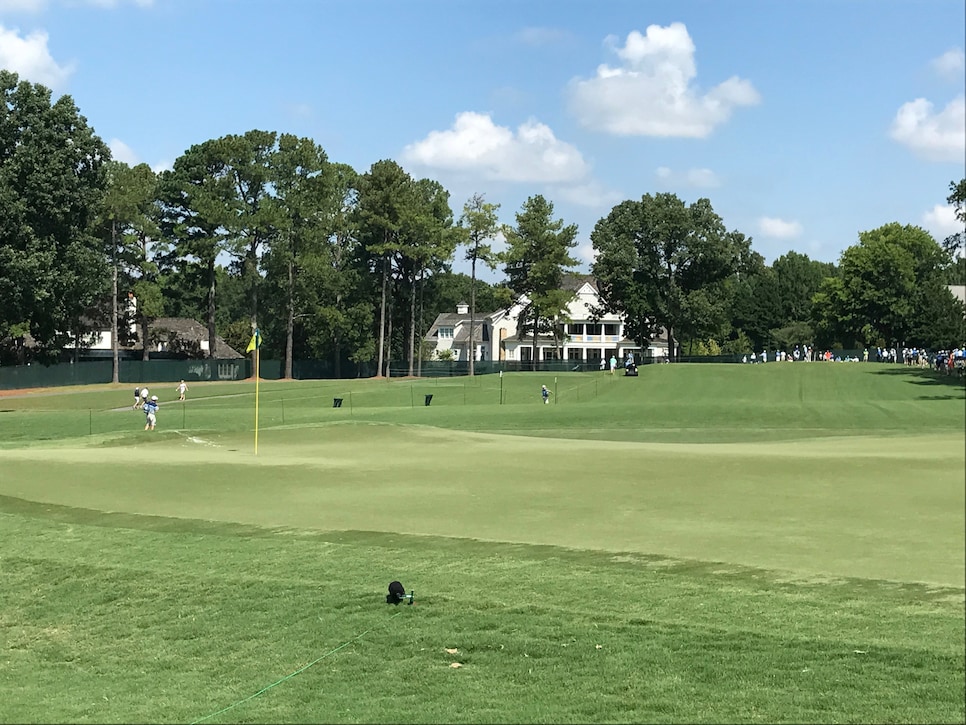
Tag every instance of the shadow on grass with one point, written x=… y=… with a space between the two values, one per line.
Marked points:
x=955 y=383
x=464 y=548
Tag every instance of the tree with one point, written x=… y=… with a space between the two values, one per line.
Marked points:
x=344 y=312
x=385 y=193
x=939 y=318
x=444 y=292
x=250 y=216
x=877 y=299
x=324 y=272
x=478 y=225
x=194 y=200
x=756 y=307
x=430 y=242
x=799 y=278
x=406 y=229
x=52 y=179
x=127 y=221
x=538 y=256
x=663 y=263
x=301 y=209
x=955 y=244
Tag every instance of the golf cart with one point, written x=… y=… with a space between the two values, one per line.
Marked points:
x=630 y=367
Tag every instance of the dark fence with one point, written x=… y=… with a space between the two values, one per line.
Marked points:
x=129 y=371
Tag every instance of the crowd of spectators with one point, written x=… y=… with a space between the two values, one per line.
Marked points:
x=948 y=362
x=951 y=362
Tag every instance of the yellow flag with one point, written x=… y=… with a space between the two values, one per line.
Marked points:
x=255 y=342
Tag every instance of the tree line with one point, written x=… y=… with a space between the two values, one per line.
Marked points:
x=263 y=230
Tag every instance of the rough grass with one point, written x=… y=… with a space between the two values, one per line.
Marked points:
x=778 y=543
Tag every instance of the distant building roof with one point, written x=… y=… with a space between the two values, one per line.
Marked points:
x=574 y=282
x=189 y=330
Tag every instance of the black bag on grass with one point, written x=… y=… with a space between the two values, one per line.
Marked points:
x=397 y=592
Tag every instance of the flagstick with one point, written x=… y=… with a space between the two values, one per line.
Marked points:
x=257 y=355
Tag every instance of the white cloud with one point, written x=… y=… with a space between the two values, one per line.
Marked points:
x=30 y=59
x=933 y=136
x=704 y=178
x=941 y=221
x=652 y=92
x=950 y=64
x=120 y=151
x=27 y=6
x=779 y=228
x=585 y=252
x=475 y=144
x=592 y=194
x=692 y=178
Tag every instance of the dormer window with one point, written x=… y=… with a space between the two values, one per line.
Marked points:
x=446 y=332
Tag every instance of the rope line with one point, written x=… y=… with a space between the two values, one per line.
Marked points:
x=289 y=676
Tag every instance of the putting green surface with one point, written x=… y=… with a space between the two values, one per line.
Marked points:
x=875 y=506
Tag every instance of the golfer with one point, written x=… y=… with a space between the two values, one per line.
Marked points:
x=545 y=394
x=151 y=413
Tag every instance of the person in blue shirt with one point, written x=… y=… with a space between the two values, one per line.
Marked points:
x=151 y=413
x=545 y=394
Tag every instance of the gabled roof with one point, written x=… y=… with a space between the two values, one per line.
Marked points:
x=574 y=282
x=481 y=333
x=188 y=329
x=445 y=319
x=460 y=323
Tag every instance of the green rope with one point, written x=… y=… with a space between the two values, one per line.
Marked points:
x=289 y=676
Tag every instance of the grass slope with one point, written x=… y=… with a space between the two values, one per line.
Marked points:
x=778 y=543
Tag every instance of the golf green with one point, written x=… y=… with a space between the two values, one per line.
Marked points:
x=877 y=507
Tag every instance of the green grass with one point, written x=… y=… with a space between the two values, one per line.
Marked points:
x=704 y=543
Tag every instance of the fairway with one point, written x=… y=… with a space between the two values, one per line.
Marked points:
x=831 y=479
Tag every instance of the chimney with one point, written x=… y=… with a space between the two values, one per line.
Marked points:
x=462 y=308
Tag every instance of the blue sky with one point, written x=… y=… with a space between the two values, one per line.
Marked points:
x=803 y=121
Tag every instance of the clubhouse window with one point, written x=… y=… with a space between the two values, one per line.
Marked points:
x=446 y=332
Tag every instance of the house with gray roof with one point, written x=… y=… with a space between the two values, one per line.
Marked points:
x=583 y=338
x=168 y=337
